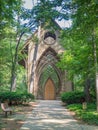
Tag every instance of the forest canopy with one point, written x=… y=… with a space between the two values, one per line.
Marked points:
x=80 y=40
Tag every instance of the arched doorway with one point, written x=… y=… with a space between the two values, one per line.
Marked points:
x=49 y=90
x=49 y=77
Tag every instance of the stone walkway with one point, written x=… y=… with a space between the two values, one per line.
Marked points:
x=51 y=115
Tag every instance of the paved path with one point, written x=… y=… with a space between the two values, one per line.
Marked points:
x=51 y=115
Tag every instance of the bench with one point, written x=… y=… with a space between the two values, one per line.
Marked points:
x=6 y=108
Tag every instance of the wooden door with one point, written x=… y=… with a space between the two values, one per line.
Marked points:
x=49 y=90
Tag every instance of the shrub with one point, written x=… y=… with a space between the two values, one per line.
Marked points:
x=72 y=97
x=27 y=97
x=89 y=116
x=16 y=98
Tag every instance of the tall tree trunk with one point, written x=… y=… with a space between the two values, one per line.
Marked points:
x=73 y=87
x=97 y=89
x=14 y=65
x=96 y=66
x=13 y=81
x=86 y=90
x=96 y=73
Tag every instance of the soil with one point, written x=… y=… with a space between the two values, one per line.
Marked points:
x=17 y=119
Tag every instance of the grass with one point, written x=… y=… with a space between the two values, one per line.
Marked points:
x=89 y=115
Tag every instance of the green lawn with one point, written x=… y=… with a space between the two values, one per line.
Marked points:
x=89 y=115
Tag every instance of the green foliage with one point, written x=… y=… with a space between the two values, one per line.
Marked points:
x=15 y=97
x=80 y=42
x=48 y=11
x=72 y=97
x=8 y=33
x=8 y=11
x=5 y=65
x=5 y=69
x=21 y=79
x=89 y=116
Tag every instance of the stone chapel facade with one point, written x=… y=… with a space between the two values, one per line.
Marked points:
x=42 y=53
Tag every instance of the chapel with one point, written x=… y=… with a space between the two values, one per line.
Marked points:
x=45 y=80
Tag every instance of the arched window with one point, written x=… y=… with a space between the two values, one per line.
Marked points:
x=49 y=38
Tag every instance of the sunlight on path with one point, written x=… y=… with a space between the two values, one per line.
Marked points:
x=51 y=115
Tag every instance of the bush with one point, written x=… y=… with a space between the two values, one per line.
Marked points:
x=72 y=97
x=16 y=98
x=89 y=116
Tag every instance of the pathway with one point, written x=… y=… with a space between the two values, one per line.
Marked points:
x=51 y=115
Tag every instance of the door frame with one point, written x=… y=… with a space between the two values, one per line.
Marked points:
x=54 y=88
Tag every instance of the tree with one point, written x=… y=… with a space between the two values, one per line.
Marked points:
x=86 y=20
x=81 y=42
x=14 y=21
x=11 y=32
x=7 y=15
x=47 y=11
x=7 y=29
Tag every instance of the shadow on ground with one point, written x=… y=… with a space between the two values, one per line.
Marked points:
x=16 y=120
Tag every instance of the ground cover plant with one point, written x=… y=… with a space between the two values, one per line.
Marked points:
x=89 y=116
x=74 y=102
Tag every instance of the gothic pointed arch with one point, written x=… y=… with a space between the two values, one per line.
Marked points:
x=43 y=67
x=47 y=54
x=54 y=76
x=48 y=59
